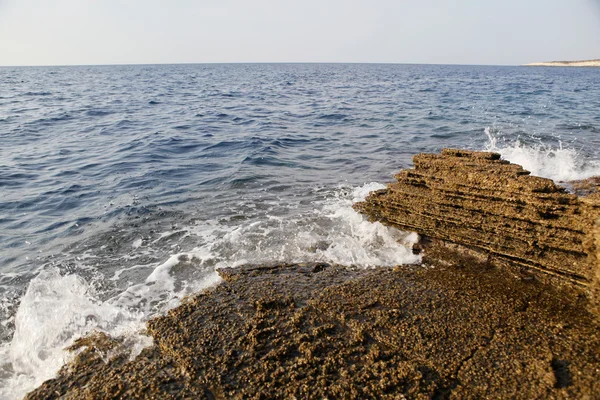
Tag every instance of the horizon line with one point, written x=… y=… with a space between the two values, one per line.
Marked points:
x=252 y=62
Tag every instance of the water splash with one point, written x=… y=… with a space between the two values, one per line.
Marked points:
x=57 y=309
x=54 y=311
x=558 y=163
x=331 y=232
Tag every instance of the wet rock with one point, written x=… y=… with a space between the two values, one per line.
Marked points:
x=585 y=187
x=473 y=204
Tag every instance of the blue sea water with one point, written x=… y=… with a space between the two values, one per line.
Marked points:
x=123 y=188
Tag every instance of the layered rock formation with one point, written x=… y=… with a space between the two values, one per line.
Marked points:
x=497 y=211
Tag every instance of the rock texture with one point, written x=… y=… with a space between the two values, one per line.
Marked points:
x=485 y=207
x=322 y=331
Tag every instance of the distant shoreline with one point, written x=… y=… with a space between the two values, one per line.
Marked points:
x=585 y=63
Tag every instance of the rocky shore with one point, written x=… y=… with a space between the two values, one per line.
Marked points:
x=322 y=331
x=501 y=307
x=475 y=204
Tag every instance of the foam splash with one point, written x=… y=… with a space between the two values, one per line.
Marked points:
x=332 y=232
x=58 y=309
x=163 y=289
x=54 y=311
x=557 y=163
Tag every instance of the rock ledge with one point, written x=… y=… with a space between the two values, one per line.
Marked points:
x=485 y=207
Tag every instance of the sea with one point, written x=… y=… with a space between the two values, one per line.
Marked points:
x=124 y=188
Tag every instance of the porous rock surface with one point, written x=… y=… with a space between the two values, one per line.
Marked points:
x=304 y=331
x=496 y=210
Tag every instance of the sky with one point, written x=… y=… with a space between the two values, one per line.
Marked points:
x=497 y=32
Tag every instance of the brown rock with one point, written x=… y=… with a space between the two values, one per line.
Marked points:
x=320 y=331
x=489 y=206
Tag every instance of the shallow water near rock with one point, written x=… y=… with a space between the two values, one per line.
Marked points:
x=125 y=187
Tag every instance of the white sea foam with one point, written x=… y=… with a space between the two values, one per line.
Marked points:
x=59 y=308
x=331 y=232
x=159 y=292
x=54 y=311
x=557 y=163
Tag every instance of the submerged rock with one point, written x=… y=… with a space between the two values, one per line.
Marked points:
x=325 y=331
x=473 y=204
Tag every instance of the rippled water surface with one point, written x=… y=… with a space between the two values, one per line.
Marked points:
x=123 y=188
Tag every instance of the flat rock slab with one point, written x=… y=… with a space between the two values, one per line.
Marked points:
x=322 y=331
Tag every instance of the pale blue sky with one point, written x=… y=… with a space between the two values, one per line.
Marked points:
x=51 y=32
